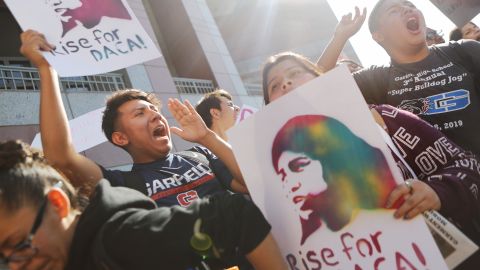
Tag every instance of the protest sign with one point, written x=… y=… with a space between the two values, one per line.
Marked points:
x=90 y=36
x=86 y=131
x=245 y=111
x=458 y=11
x=320 y=172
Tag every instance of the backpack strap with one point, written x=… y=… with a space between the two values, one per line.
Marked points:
x=135 y=181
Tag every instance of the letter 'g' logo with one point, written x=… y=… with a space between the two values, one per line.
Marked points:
x=186 y=198
x=447 y=102
x=441 y=103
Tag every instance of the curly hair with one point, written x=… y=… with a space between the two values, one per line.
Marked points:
x=25 y=176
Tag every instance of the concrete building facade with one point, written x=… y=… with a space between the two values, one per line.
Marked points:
x=255 y=30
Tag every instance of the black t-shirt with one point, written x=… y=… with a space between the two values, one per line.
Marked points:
x=178 y=180
x=122 y=229
x=440 y=89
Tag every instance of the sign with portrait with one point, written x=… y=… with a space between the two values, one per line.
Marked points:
x=458 y=11
x=90 y=36
x=321 y=173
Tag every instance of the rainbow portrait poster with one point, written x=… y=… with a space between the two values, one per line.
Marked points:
x=90 y=36
x=321 y=173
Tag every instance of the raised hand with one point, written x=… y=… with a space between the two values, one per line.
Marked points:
x=418 y=198
x=346 y=28
x=33 y=43
x=349 y=26
x=192 y=128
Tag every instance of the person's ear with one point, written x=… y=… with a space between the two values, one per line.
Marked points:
x=119 y=138
x=60 y=202
x=215 y=113
x=378 y=37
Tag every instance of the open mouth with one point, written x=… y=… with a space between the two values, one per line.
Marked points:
x=159 y=131
x=413 y=24
x=298 y=199
x=60 y=10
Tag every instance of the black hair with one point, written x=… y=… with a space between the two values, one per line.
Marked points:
x=456 y=34
x=211 y=101
x=276 y=59
x=373 y=19
x=116 y=100
x=25 y=176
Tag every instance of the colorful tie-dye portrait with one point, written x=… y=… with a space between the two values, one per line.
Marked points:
x=327 y=172
x=87 y=12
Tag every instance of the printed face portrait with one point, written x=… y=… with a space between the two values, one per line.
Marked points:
x=88 y=12
x=62 y=6
x=301 y=177
x=327 y=172
x=286 y=76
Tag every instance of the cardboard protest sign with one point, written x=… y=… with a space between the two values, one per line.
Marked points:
x=245 y=112
x=86 y=131
x=458 y=11
x=90 y=36
x=320 y=172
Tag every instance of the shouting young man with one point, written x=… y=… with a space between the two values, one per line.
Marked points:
x=132 y=121
x=439 y=84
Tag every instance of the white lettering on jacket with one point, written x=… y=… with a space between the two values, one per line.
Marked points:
x=176 y=180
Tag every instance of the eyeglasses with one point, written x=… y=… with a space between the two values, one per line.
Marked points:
x=24 y=250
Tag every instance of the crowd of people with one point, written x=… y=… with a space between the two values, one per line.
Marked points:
x=188 y=209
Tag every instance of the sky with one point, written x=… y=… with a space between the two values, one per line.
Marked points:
x=369 y=52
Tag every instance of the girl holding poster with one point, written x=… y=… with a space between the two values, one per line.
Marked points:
x=440 y=175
